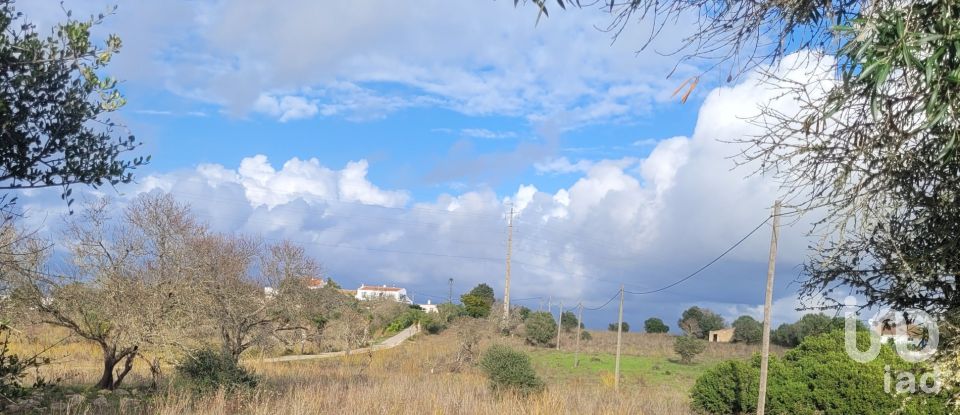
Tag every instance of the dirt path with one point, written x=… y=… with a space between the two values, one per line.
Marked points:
x=386 y=344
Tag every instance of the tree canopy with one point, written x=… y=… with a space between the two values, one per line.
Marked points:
x=748 y=330
x=478 y=302
x=698 y=322
x=655 y=325
x=54 y=107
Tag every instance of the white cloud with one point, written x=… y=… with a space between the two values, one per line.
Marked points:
x=562 y=165
x=286 y=108
x=477 y=58
x=642 y=222
x=485 y=133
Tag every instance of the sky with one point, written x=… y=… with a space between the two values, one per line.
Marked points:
x=390 y=140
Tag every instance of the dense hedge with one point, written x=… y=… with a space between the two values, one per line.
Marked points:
x=815 y=378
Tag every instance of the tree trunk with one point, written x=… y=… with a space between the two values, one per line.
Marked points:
x=127 y=365
x=109 y=362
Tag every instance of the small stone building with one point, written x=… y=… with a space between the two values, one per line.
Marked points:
x=720 y=336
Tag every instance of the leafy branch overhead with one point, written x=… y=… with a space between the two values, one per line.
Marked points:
x=55 y=102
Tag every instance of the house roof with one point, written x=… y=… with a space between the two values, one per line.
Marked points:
x=383 y=288
x=315 y=282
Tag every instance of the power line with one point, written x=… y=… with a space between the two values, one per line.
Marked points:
x=707 y=265
x=604 y=304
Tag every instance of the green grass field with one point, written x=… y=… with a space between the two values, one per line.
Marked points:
x=634 y=370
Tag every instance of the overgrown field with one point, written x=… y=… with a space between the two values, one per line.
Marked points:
x=428 y=374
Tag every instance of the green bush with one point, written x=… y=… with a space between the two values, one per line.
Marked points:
x=541 y=329
x=510 y=370
x=688 y=347
x=208 y=369
x=654 y=325
x=727 y=388
x=815 y=378
x=407 y=319
x=585 y=335
x=613 y=327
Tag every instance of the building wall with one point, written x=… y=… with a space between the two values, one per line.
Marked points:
x=720 y=336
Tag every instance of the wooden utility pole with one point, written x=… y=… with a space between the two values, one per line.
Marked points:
x=559 y=325
x=576 y=352
x=765 y=349
x=506 y=283
x=616 y=371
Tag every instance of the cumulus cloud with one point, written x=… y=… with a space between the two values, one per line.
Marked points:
x=643 y=222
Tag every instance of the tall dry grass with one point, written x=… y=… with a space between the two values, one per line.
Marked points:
x=416 y=377
x=413 y=378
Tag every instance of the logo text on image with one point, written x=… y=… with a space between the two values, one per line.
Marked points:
x=915 y=336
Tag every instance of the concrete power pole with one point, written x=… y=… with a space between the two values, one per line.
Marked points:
x=450 y=298
x=616 y=372
x=559 y=325
x=576 y=353
x=765 y=349
x=506 y=283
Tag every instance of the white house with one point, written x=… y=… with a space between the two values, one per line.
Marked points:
x=429 y=307
x=371 y=292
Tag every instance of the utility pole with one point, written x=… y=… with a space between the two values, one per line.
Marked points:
x=506 y=284
x=616 y=372
x=765 y=349
x=450 y=298
x=576 y=353
x=559 y=325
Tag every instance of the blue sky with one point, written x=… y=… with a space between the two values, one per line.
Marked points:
x=390 y=140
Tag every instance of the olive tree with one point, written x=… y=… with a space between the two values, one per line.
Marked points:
x=123 y=288
x=55 y=102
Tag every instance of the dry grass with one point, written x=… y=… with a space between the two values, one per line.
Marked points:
x=416 y=377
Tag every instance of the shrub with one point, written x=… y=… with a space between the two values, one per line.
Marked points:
x=747 y=330
x=688 y=347
x=13 y=368
x=727 y=388
x=407 y=319
x=613 y=327
x=568 y=321
x=434 y=326
x=815 y=378
x=585 y=335
x=523 y=312
x=654 y=325
x=208 y=369
x=510 y=370
x=541 y=328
